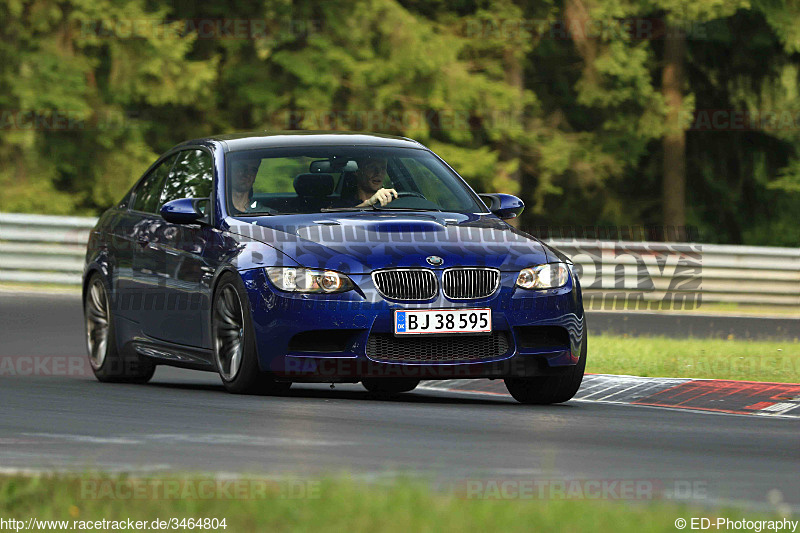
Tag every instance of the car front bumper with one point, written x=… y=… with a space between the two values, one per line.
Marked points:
x=325 y=338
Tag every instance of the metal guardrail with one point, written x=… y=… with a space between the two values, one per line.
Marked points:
x=614 y=275
x=43 y=249
x=661 y=276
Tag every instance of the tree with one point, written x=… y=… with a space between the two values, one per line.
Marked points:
x=76 y=76
x=592 y=111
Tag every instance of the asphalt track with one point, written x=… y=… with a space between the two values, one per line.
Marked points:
x=184 y=421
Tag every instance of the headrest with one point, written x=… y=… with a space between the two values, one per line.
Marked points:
x=313 y=184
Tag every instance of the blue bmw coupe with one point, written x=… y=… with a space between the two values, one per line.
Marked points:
x=327 y=257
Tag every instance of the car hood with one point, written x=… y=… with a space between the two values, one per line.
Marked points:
x=360 y=242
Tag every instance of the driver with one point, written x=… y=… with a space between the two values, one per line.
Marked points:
x=244 y=173
x=370 y=176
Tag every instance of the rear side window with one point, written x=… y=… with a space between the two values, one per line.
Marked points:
x=192 y=176
x=148 y=192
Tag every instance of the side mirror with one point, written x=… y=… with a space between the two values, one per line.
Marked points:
x=504 y=206
x=185 y=211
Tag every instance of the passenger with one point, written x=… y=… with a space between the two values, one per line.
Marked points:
x=244 y=174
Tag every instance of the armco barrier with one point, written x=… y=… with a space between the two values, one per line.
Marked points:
x=614 y=275
x=648 y=275
x=43 y=249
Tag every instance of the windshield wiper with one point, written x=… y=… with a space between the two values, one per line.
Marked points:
x=390 y=208
x=260 y=214
x=377 y=207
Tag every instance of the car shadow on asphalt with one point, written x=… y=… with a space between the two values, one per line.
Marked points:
x=347 y=392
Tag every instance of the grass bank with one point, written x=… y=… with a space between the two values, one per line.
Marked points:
x=695 y=358
x=332 y=505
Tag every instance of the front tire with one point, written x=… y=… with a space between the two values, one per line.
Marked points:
x=544 y=390
x=108 y=364
x=234 y=341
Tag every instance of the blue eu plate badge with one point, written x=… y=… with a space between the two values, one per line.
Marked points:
x=401 y=321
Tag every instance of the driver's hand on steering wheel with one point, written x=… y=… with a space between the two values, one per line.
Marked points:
x=384 y=196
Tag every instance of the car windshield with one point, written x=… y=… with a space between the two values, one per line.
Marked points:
x=334 y=178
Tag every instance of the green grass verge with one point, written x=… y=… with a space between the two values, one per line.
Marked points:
x=44 y=288
x=695 y=358
x=344 y=505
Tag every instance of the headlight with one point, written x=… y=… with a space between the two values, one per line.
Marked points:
x=549 y=276
x=295 y=279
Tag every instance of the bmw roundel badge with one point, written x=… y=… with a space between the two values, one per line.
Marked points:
x=434 y=260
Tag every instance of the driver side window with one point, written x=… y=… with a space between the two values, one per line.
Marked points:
x=192 y=176
x=148 y=192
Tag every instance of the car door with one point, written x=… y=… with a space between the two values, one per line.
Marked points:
x=186 y=276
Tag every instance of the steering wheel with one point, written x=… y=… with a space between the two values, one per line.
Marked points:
x=261 y=208
x=406 y=194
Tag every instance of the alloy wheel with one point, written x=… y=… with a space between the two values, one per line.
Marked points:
x=97 y=319
x=228 y=332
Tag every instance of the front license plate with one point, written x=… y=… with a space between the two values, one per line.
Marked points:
x=415 y=322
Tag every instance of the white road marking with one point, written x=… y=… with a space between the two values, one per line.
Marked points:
x=179 y=438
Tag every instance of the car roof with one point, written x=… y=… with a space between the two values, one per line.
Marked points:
x=281 y=139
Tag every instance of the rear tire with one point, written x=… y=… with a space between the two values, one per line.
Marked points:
x=108 y=364
x=549 y=389
x=234 y=341
x=389 y=385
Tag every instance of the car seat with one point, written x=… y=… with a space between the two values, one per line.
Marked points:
x=313 y=191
